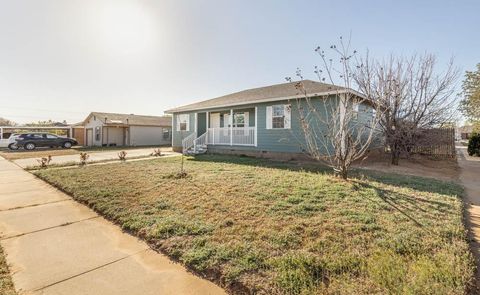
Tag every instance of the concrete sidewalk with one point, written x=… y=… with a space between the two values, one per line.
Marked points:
x=94 y=156
x=55 y=245
x=470 y=178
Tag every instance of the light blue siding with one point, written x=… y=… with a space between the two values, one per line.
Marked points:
x=278 y=140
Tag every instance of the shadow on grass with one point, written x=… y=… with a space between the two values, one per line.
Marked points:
x=407 y=181
x=406 y=204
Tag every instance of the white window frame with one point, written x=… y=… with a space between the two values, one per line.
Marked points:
x=282 y=116
x=245 y=120
x=287 y=116
x=183 y=119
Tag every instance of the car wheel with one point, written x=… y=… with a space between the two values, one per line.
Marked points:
x=30 y=146
x=13 y=146
x=67 y=144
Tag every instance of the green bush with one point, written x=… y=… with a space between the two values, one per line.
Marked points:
x=474 y=145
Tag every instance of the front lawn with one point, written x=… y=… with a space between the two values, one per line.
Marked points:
x=255 y=226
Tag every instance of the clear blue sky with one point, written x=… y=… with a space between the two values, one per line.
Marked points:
x=62 y=59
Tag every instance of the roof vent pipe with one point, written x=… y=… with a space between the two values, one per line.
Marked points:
x=105 y=120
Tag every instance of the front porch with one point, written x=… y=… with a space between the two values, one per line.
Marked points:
x=229 y=127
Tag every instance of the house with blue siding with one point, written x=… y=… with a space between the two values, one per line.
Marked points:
x=258 y=122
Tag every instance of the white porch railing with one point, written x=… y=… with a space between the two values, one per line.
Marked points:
x=231 y=136
x=200 y=141
x=188 y=142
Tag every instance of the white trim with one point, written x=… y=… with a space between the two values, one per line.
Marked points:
x=178 y=123
x=268 y=117
x=231 y=126
x=256 y=126
x=171 y=111
x=287 y=116
x=283 y=106
x=195 y=124
x=171 y=131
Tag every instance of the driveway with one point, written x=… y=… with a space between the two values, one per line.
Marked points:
x=94 y=156
x=470 y=178
x=55 y=245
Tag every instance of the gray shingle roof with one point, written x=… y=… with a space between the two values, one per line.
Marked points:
x=131 y=119
x=271 y=93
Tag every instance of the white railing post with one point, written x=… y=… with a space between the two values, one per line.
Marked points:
x=231 y=126
x=256 y=128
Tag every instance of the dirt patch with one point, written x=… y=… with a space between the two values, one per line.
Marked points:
x=438 y=168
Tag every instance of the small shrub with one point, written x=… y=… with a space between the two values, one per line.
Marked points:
x=156 y=153
x=45 y=161
x=122 y=155
x=473 y=148
x=84 y=158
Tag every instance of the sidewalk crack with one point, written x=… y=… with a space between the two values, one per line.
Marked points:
x=48 y=228
x=90 y=270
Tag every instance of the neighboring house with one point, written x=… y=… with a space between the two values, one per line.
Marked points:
x=78 y=132
x=109 y=129
x=261 y=121
x=464 y=132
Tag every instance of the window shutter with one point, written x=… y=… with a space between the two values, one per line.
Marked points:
x=269 y=117
x=288 y=116
x=188 y=121
x=178 y=122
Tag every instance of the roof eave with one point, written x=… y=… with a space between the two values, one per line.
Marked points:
x=326 y=93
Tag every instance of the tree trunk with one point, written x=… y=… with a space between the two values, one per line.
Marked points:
x=395 y=156
x=342 y=172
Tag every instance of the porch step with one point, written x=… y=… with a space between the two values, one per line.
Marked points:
x=200 y=150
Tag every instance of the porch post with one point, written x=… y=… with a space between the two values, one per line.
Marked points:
x=231 y=126
x=196 y=123
x=206 y=126
x=256 y=124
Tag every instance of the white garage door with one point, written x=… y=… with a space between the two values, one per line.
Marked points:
x=115 y=136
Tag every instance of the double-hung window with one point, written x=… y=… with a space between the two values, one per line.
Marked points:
x=278 y=116
x=183 y=122
x=239 y=120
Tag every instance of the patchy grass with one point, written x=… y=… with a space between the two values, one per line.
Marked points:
x=262 y=227
x=6 y=284
x=43 y=152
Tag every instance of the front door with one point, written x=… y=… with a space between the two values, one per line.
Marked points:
x=201 y=123
x=215 y=120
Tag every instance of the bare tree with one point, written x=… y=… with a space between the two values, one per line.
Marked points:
x=341 y=127
x=411 y=95
x=6 y=122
